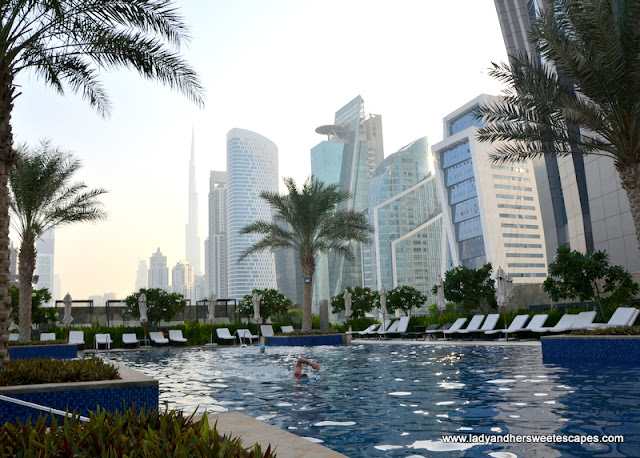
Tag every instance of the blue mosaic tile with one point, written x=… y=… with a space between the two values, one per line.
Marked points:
x=623 y=350
x=44 y=351
x=304 y=341
x=110 y=399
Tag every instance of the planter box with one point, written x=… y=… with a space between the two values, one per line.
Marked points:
x=133 y=388
x=55 y=351
x=306 y=341
x=614 y=349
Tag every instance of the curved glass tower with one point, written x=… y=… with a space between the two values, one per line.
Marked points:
x=252 y=167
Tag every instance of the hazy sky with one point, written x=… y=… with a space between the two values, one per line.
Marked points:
x=279 y=68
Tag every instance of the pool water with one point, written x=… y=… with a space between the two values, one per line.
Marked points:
x=398 y=401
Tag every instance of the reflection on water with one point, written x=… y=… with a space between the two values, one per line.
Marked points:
x=399 y=401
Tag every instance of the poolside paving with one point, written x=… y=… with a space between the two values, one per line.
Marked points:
x=251 y=431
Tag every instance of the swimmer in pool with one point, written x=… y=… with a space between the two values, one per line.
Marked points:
x=298 y=372
x=262 y=348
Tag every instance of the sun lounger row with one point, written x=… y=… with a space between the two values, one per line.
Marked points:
x=481 y=326
x=244 y=335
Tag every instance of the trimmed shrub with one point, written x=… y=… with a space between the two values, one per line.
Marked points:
x=131 y=433
x=35 y=371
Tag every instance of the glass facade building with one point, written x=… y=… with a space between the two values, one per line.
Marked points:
x=491 y=212
x=348 y=157
x=252 y=167
x=406 y=213
x=583 y=203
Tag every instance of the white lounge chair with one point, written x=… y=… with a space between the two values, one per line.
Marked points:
x=245 y=334
x=47 y=336
x=266 y=330
x=489 y=324
x=158 y=338
x=130 y=339
x=623 y=316
x=175 y=335
x=582 y=321
x=537 y=321
x=391 y=328
x=401 y=328
x=474 y=325
x=563 y=325
x=455 y=327
x=224 y=335
x=103 y=339
x=76 y=337
x=366 y=332
x=517 y=323
x=286 y=329
x=14 y=337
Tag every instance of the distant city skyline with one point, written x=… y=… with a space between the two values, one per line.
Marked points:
x=265 y=69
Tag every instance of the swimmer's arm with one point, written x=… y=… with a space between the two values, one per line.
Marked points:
x=302 y=361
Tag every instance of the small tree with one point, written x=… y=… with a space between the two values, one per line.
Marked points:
x=405 y=298
x=272 y=302
x=589 y=277
x=39 y=315
x=161 y=305
x=471 y=288
x=363 y=300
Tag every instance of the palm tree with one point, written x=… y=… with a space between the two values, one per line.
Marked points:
x=582 y=96
x=42 y=197
x=307 y=221
x=68 y=43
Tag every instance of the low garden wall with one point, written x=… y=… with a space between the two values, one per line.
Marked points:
x=54 y=351
x=306 y=341
x=590 y=348
x=134 y=388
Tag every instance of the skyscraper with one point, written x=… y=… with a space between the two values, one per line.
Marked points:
x=491 y=212
x=216 y=244
x=583 y=203
x=141 y=277
x=348 y=157
x=252 y=167
x=158 y=271
x=45 y=248
x=406 y=213
x=192 y=240
x=182 y=280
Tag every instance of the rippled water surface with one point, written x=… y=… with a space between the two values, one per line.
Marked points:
x=398 y=401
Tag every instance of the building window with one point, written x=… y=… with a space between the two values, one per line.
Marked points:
x=525 y=264
x=525 y=255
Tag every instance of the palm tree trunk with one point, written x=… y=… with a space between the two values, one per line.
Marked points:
x=630 y=178
x=307 y=296
x=7 y=161
x=27 y=260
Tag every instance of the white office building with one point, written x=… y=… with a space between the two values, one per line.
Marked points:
x=216 y=243
x=491 y=212
x=252 y=167
x=183 y=281
x=158 y=271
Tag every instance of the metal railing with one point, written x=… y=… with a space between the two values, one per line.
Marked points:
x=42 y=408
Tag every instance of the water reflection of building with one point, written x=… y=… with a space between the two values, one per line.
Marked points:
x=406 y=213
x=348 y=157
x=491 y=212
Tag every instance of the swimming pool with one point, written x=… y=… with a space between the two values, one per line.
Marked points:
x=399 y=401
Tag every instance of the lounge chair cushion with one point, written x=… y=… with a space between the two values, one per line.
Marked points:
x=158 y=338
